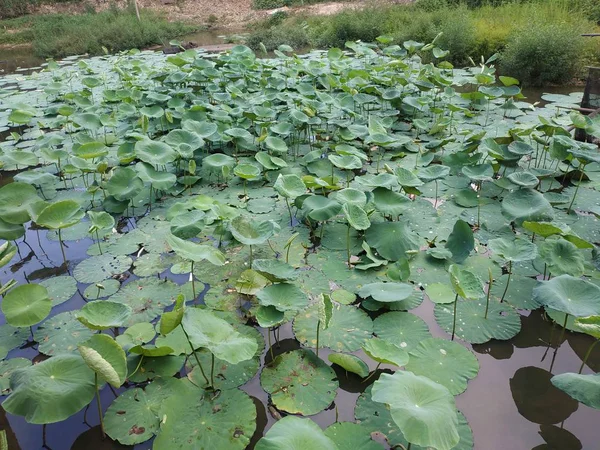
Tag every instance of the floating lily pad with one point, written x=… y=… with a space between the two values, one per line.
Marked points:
x=138 y=334
x=283 y=296
x=347 y=332
x=385 y=352
x=351 y=436
x=520 y=291
x=94 y=292
x=502 y=322
x=386 y=292
x=103 y=314
x=10 y=338
x=299 y=382
x=226 y=375
x=445 y=362
x=402 y=329
x=570 y=295
x=61 y=334
x=60 y=289
x=26 y=305
x=98 y=268
x=7 y=368
x=295 y=433
x=153 y=368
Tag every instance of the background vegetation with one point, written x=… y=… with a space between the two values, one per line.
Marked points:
x=15 y=8
x=539 y=42
x=271 y=4
x=57 y=35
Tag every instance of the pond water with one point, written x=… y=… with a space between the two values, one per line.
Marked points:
x=511 y=404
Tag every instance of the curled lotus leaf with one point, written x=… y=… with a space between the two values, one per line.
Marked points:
x=252 y=232
x=570 y=295
x=155 y=153
x=104 y=314
x=105 y=357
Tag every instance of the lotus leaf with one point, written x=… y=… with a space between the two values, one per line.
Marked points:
x=460 y=242
x=402 y=329
x=392 y=240
x=155 y=152
x=583 y=388
x=105 y=357
x=562 y=257
x=104 y=314
x=98 y=268
x=295 y=433
x=351 y=435
x=15 y=200
x=385 y=352
x=527 y=205
x=26 y=305
x=570 y=295
x=60 y=289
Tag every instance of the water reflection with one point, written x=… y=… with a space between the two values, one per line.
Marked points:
x=92 y=439
x=558 y=439
x=537 y=399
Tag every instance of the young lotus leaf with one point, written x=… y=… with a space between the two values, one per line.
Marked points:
x=356 y=216
x=465 y=283
x=406 y=178
x=205 y=421
x=189 y=224
x=390 y=203
x=385 y=352
x=350 y=195
x=460 y=242
x=172 y=319
x=524 y=179
x=196 y=252
x=252 y=232
x=61 y=214
x=295 y=433
x=60 y=289
x=179 y=139
x=247 y=171
x=299 y=382
x=351 y=435
x=11 y=232
x=289 y=186
x=283 y=296
x=562 y=257
x=405 y=330
x=104 y=314
x=26 y=305
x=527 y=205
x=445 y=362
x=386 y=292
x=138 y=334
x=424 y=410
x=102 y=289
x=275 y=270
x=320 y=208
x=250 y=282
x=350 y=363
x=105 y=357
x=15 y=199
x=124 y=184
x=348 y=329
x=68 y=386
x=570 y=295
x=155 y=152
x=392 y=240
x=502 y=322
x=516 y=250
x=583 y=388
x=206 y=330
x=157 y=179
x=433 y=172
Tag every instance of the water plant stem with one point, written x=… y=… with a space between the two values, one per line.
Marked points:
x=195 y=356
x=507 y=281
x=348 y=245
x=587 y=355
x=487 y=302
x=287 y=202
x=62 y=247
x=454 y=316
x=212 y=369
x=564 y=328
x=318 y=328
x=576 y=189
x=372 y=373
x=193 y=281
x=99 y=404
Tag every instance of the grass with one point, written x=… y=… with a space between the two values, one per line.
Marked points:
x=56 y=35
x=272 y=4
x=544 y=34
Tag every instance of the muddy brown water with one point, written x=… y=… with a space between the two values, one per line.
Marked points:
x=511 y=404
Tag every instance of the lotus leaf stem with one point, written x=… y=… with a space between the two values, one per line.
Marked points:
x=372 y=373
x=62 y=248
x=507 y=281
x=348 y=245
x=195 y=355
x=137 y=367
x=576 y=189
x=193 y=281
x=562 y=333
x=251 y=255
x=318 y=328
x=99 y=404
x=487 y=302
x=454 y=316
x=287 y=202
x=587 y=355
x=212 y=369
x=270 y=345
x=436 y=193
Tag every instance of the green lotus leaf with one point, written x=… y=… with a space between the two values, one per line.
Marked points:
x=196 y=252
x=98 y=290
x=406 y=178
x=7 y=368
x=440 y=293
x=357 y=218
x=589 y=325
x=445 y=362
x=321 y=208
x=91 y=150
x=349 y=162
x=104 y=314
x=461 y=241
x=544 y=229
x=275 y=270
x=151 y=350
x=221 y=422
x=424 y=410
x=226 y=375
x=392 y=240
x=467 y=198
x=157 y=179
x=62 y=214
x=480 y=172
x=51 y=391
x=570 y=295
x=247 y=171
x=386 y=292
x=252 y=232
x=216 y=162
x=26 y=305
x=206 y=330
x=99 y=268
x=155 y=152
x=138 y=334
x=276 y=144
x=283 y=296
x=562 y=257
x=515 y=250
x=295 y=433
x=130 y=419
x=180 y=139
x=61 y=334
x=7 y=251
x=60 y=289
x=583 y=388
x=269 y=316
x=350 y=363
x=11 y=337
x=519 y=294
x=520 y=148
x=105 y=357
x=101 y=220
x=524 y=179
x=351 y=435
x=433 y=172
x=299 y=382
x=405 y=330
x=250 y=282
x=390 y=203
x=124 y=184
x=203 y=129
x=150 y=368
x=290 y=186
x=385 y=352
x=350 y=195
x=527 y=205
x=189 y=224
x=502 y=322
x=15 y=200
x=465 y=283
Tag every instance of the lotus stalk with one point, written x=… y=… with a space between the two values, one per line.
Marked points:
x=99 y=405
x=582 y=170
x=454 y=316
x=587 y=354
x=196 y=357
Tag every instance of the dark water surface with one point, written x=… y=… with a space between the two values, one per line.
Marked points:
x=511 y=404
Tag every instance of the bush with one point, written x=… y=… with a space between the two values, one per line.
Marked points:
x=15 y=8
x=431 y=5
x=58 y=35
x=543 y=53
x=272 y=38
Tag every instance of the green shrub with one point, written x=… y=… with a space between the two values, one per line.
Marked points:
x=543 y=53
x=431 y=5
x=272 y=38
x=59 y=35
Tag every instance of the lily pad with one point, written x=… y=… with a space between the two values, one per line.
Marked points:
x=60 y=289
x=350 y=363
x=103 y=314
x=299 y=383
x=351 y=436
x=386 y=292
x=94 y=292
x=61 y=334
x=402 y=329
x=98 y=268
x=26 y=305
x=7 y=368
x=570 y=295
x=295 y=433
x=11 y=337
x=283 y=296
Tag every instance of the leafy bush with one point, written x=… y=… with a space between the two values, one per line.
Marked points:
x=543 y=53
x=272 y=38
x=431 y=5
x=59 y=35
x=16 y=8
